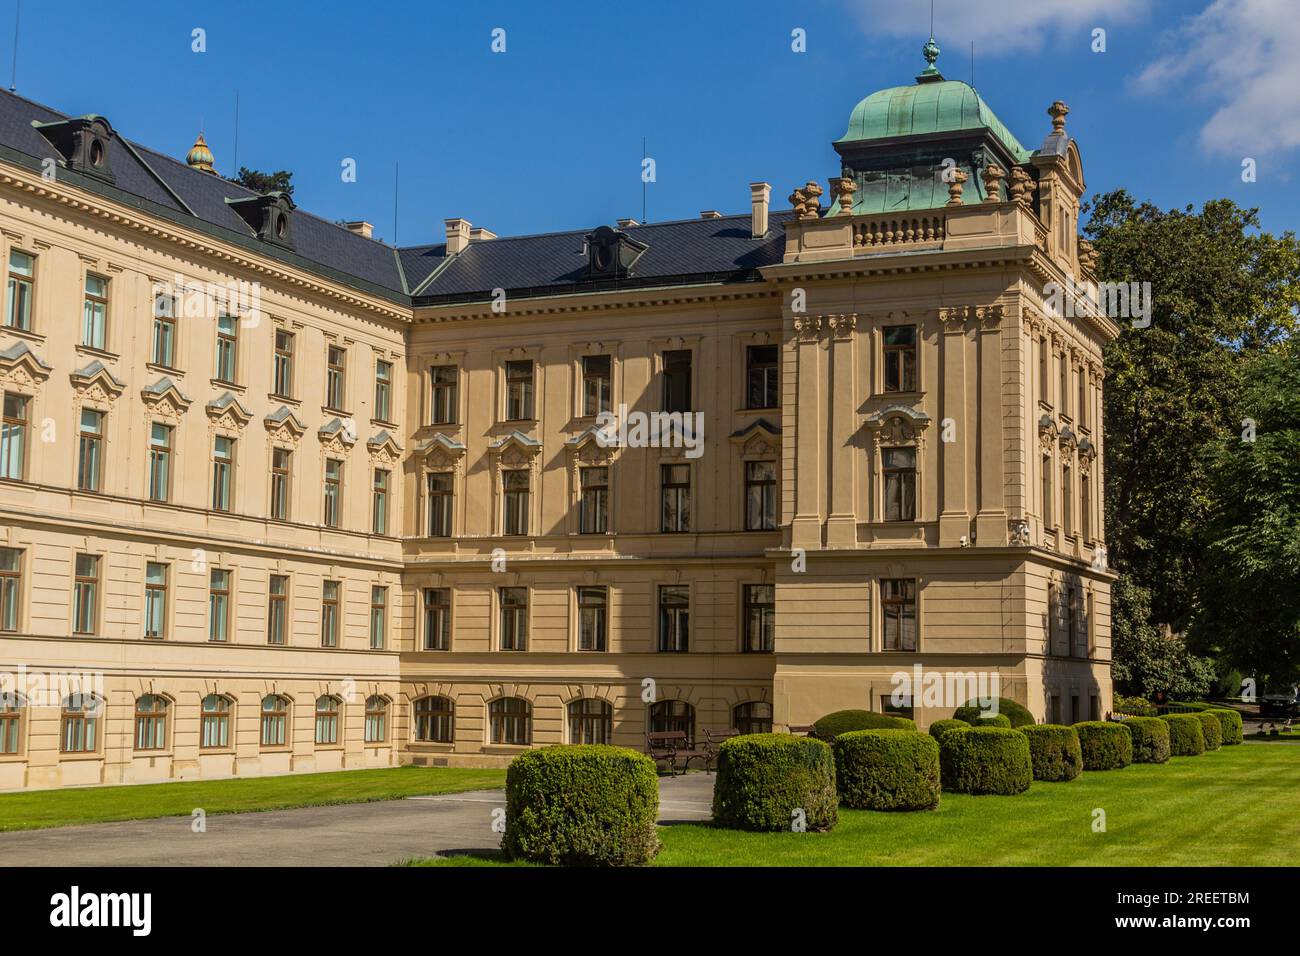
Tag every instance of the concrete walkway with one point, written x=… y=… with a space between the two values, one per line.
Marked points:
x=362 y=834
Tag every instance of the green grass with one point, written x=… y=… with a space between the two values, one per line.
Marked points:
x=61 y=808
x=1239 y=806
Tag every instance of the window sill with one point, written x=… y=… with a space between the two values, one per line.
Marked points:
x=911 y=394
x=98 y=353
x=231 y=386
x=336 y=412
x=163 y=369
x=383 y=423
x=765 y=408
x=80 y=757
x=27 y=334
x=295 y=402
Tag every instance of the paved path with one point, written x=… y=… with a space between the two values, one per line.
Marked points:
x=361 y=834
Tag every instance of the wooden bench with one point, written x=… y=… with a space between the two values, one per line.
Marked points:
x=674 y=748
x=712 y=741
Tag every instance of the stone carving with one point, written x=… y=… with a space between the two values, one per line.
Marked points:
x=842 y=326
x=808 y=327
x=959 y=178
x=806 y=200
x=842 y=190
x=1018 y=530
x=1058 y=111
x=1021 y=186
x=1087 y=256
x=993 y=175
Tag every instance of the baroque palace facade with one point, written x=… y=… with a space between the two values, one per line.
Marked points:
x=288 y=498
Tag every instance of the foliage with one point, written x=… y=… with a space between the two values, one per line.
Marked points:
x=1054 y=750
x=775 y=781
x=1146 y=660
x=843 y=721
x=260 y=182
x=941 y=727
x=887 y=770
x=1150 y=739
x=1186 y=736
x=1106 y=745
x=1136 y=706
x=1017 y=713
x=1211 y=729
x=985 y=760
x=1229 y=724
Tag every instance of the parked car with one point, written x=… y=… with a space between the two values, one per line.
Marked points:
x=1280 y=703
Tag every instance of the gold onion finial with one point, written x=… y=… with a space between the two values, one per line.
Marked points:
x=200 y=157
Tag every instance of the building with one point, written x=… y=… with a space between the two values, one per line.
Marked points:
x=288 y=498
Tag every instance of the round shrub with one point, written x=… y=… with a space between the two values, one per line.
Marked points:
x=985 y=760
x=941 y=727
x=1105 y=745
x=1018 y=714
x=1186 y=736
x=1211 y=729
x=1229 y=724
x=843 y=721
x=1054 y=750
x=1134 y=706
x=582 y=805
x=763 y=779
x=1150 y=739
x=991 y=720
x=887 y=770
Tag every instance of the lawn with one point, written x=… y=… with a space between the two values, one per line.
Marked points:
x=1239 y=806
x=59 y=808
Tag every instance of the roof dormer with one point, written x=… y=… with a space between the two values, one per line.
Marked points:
x=82 y=141
x=612 y=253
x=268 y=216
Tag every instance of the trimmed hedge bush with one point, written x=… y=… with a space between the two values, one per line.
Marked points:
x=991 y=720
x=1136 y=706
x=1150 y=739
x=1211 y=728
x=763 y=779
x=1186 y=736
x=582 y=805
x=843 y=721
x=1105 y=745
x=985 y=760
x=1229 y=724
x=941 y=727
x=1018 y=714
x=887 y=770
x=1054 y=750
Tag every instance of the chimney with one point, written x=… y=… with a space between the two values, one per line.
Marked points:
x=479 y=234
x=627 y=223
x=360 y=228
x=759 y=194
x=458 y=231
x=710 y=214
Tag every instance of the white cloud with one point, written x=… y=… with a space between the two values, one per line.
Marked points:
x=997 y=28
x=1243 y=55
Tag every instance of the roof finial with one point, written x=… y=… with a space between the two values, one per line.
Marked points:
x=200 y=157
x=931 y=53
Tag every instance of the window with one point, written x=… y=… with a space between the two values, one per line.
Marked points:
x=760 y=618
x=752 y=717
x=1085 y=505
x=218 y=606
x=677 y=380
x=11 y=715
x=1047 y=492
x=761 y=376
x=383 y=390
x=514 y=618
x=1067 y=499
x=519 y=390
x=898 y=465
x=898 y=607
x=13 y=436
x=215 y=723
x=94 y=314
x=11 y=587
x=378 y=616
x=281 y=472
x=900 y=358
x=275 y=720
x=155 y=600
x=675 y=498
x=512 y=721
x=329 y=614
x=163 y=347
x=593 y=618
x=673 y=716
x=85 y=594
x=18 y=296
x=376 y=731
x=760 y=495
x=674 y=617
x=90 y=450
x=440 y=502
x=277 y=610
x=515 y=493
x=336 y=360
x=160 y=461
x=227 y=349
x=1081 y=413
x=435 y=720
x=333 y=491
x=282 y=383
x=591 y=721
x=379 y=512
x=1065 y=384
x=595 y=384
x=327 y=720
x=437 y=619
x=904 y=707
x=223 y=471
x=442 y=389
x=593 y=506
x=150 y=722
x=1043 y=395
x=1074 y=623
x=79 y=724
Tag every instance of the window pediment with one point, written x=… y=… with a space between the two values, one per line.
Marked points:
x=227 y=412
x=96 y=384
x=897 y=425
x=20 y=367
x=164 y=398
x=284 y=425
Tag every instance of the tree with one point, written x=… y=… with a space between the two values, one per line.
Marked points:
x=1147 y=661
x=260 y=182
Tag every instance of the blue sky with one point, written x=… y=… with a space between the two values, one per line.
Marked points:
x=547 y=135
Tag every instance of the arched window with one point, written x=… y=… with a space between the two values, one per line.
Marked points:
x=150 y=722
x=591 y=721
x=215 y=725
x=435 y=720
x=673 y=716
x=512 y=721
x=327 y=720
x=376 y=719
x=79 y=724
x=752 y=717
x=11 y=717
x=275 y=720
